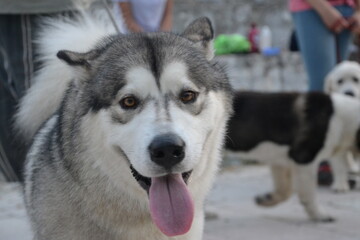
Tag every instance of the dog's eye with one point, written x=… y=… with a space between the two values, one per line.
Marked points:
x=188 y=96
x=340 y=81
x=129 y=102
x=355 y=79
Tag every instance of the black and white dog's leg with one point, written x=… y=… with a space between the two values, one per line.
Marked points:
x=305 y=184
x=353 y=162
x=282 y=179
x=340 y=169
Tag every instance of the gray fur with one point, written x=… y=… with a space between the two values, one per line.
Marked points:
x=68 y=196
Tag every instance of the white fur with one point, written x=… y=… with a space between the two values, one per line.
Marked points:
x=174 y=77
x=40 y=138
x=344 y=163
x=44 y=96
x=192 y=129
x=345 y=71
x=142 y=82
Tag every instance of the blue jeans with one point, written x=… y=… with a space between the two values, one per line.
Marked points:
x=317 y=44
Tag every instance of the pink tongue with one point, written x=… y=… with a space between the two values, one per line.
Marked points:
x=171 y=206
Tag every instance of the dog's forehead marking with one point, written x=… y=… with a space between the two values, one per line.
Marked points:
x=141 y=81
x=175 y=77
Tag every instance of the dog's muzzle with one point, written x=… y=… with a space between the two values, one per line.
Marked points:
x=170 y=200
x=349 y=93
x=167 y=150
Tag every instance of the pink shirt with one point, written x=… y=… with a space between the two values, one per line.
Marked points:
x=301 y=5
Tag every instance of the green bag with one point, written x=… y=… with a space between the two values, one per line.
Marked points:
x=234 y=43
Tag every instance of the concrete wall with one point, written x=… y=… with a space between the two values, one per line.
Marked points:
x=235 y=16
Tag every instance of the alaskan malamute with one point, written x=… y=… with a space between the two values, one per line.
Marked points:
x=131 y=132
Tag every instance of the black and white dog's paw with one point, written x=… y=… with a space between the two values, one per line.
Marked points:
x=267 y=200
x=323 y=219
x=340 y=187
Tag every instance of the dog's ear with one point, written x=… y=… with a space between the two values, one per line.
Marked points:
x=81 y=63
x=201 y=33
x=78 y=59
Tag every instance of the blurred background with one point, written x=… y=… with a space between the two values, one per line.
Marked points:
x=283 y=71
x=253 y=40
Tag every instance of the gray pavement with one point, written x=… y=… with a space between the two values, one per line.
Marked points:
x=239 y=218
x=236 y=216
x=13 y=219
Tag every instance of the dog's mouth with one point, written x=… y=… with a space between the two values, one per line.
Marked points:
x=349 y=93
x=145 y=182
x=171 y=204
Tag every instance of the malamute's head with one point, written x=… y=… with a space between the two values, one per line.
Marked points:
x=156 y=105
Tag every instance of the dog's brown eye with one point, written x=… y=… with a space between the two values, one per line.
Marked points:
x=188 y=96
x=129 y=102
x=356 y=80
x=340 y=81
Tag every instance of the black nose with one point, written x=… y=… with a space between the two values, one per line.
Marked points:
x=349 y=93
x=167 y=150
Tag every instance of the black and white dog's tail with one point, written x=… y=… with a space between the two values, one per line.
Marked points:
x=43 y=98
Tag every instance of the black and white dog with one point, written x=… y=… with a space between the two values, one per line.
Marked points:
x=293 y=132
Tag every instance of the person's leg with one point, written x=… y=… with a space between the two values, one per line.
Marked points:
x=317 y=46
x=345 y=36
